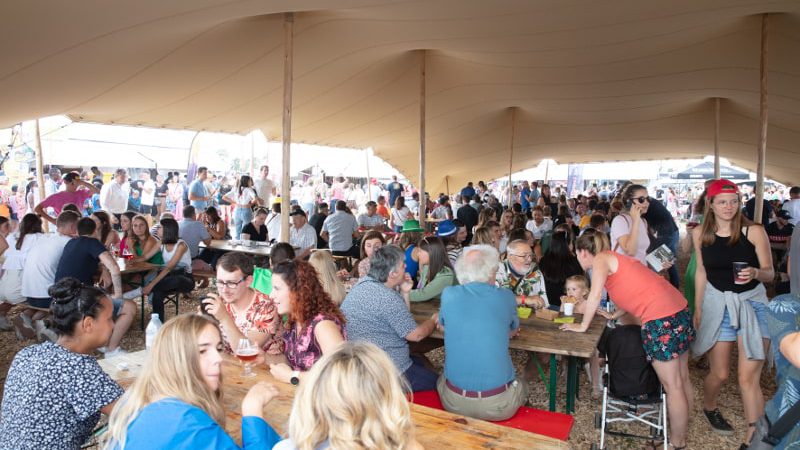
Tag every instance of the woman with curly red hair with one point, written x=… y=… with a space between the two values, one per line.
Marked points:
x=315 y=324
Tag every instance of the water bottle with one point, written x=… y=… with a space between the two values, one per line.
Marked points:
x=151 y=331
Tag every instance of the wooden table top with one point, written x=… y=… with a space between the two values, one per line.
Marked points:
x=435 y=429
x=257 y=248
x=536 y=335
x=126 y=267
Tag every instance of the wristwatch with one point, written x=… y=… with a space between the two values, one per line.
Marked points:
x=295 y=379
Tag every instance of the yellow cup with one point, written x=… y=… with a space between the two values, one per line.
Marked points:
x=523 y=312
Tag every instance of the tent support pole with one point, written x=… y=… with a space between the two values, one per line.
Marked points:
x=422 y=199
x=716 y=139
x=546 y=170
x=40 y=170
x=762 y=140
x=511 y=158
x=447 y=183
x=369 y=179
x=288 y=25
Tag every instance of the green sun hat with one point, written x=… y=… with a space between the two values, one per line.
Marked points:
x=411 y=225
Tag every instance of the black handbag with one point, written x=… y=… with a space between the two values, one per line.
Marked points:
x=767 y=435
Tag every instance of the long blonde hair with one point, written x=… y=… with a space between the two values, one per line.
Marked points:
x=353 y=398
x=322 y=261
x=172 y=370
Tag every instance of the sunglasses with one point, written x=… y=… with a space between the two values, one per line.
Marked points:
x=642 y=199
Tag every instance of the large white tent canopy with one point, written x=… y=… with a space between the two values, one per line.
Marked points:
x=589 y=81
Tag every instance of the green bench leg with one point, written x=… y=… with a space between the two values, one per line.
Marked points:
x=553 y=382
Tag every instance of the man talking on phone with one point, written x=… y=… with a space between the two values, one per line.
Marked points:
x=243 y=311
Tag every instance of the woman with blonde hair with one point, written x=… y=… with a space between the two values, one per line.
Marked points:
x=179 y=394
x=353 y=399
x=322 y=261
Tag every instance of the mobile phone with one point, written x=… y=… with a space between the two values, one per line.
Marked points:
x=204 y=306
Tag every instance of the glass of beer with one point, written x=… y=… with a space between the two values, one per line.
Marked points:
x=247 y=353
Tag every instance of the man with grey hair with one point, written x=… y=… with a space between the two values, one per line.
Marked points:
x=520 y=273
x=376 y=312
x=479 y=318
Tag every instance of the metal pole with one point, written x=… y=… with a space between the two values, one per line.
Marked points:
x=369 y=179
x=716 y=139
x=288 y=25
x=762 y=141
x=423 y=202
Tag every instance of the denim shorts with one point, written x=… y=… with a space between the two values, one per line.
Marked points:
x=728 y=334
x=117 y=302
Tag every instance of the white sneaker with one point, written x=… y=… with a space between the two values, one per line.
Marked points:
x=118 y=352
x=131 y=295
x=43 y=333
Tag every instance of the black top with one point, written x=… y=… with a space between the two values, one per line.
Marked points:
x=659 y=219
x=80 y=258
x=316 y=221
x=555 y=283
x=750 y=210
x=469 y=216
x=718 y=261
x=260 y=235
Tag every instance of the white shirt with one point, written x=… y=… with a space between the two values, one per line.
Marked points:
x=264 y=188
x=15 y=259
x=273 y=224
x=148 y=198
x=41 y=264
x=539 y=230
x=243 y=199
x=114 y=197
x=793 y=206
x=305 y=237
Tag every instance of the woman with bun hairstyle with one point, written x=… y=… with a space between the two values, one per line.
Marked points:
x=666 y=323
x=353 y=399
x=55 y=391
x=176 y=402
x=731 y=306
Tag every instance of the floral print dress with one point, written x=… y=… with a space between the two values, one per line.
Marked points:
x=302 y=348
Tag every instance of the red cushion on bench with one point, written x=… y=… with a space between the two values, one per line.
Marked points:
x=546 y=423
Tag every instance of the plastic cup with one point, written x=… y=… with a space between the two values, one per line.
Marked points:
x=738 y=266
x=244 y=237
x=569 y=309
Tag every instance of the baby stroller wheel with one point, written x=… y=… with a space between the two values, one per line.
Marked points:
x=594 y=447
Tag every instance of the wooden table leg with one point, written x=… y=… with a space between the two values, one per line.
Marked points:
x=572 y=382
x=553 y=381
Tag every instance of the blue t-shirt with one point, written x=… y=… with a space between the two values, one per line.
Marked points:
x=477 y=319
x=523 y=198
x=197 y=188
x=412 y=267
x=192 y=232
x=782 y=320
x=175 y=425
x=395 y=190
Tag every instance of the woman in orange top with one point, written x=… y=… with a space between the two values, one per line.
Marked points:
x=667 y=327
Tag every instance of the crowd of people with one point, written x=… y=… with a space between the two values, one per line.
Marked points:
x=347 y=337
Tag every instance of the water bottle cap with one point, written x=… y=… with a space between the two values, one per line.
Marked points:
x=155 y=316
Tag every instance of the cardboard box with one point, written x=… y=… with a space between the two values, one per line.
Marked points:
x=546 y=314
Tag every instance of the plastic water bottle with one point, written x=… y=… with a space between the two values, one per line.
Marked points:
x=151 y=331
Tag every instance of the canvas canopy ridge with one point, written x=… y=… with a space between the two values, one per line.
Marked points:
x=584 y=80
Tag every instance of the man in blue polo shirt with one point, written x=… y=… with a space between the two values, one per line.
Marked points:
x=198 y=195
x=479 y=319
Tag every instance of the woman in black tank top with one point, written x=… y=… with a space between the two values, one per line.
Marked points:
x=722 y=240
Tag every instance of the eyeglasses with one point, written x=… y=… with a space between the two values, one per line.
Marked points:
x=642 y=199
x=525 y=256
x=229 y=284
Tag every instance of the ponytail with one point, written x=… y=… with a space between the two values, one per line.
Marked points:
x=593 y=241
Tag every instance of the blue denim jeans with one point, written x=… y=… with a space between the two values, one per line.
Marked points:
x=241 y=216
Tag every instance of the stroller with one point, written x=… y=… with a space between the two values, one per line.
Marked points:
x=631 y=389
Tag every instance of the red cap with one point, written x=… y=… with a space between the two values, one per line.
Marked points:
x=722 y=186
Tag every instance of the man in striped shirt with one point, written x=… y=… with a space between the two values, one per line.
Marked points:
x=301 y=234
